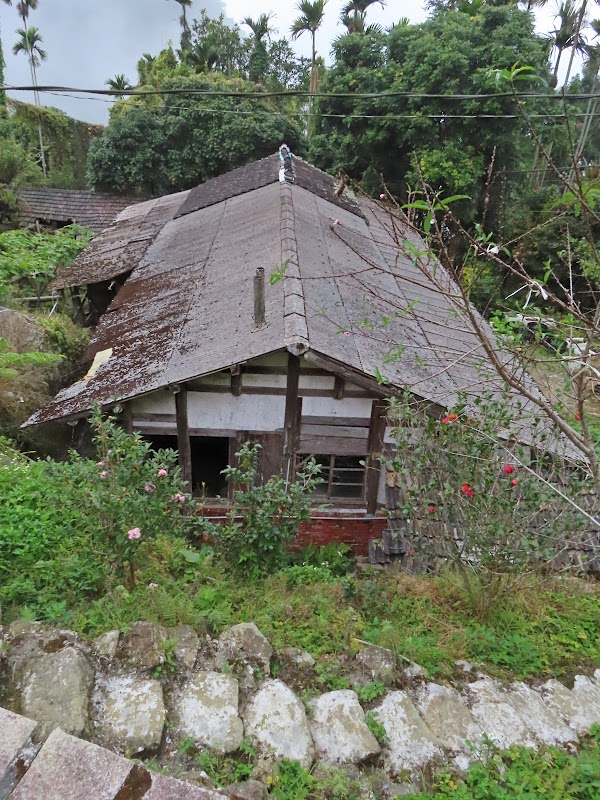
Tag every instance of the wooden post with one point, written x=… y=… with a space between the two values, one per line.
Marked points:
x=291 y=425
x=127 y=417
x=236 y=380
x=184 y=445
x=339 y=387
x=375 y=448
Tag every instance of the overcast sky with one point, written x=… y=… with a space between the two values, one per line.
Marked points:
x=89 y=41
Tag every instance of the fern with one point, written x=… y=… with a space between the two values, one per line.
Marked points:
x=11 y=363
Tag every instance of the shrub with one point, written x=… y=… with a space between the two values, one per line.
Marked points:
x=469 y=499
x=263 y=520
x=131 y=493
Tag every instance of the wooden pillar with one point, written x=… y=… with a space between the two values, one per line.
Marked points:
x=339 y=387
x=375 y=448
x=291 y=425
x=127 y=417
x=183 y=435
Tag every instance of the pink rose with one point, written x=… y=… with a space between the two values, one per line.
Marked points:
x=162 y=473
x=180 y=497
x=103 y=474
x=153 y=585
x=134 y=533
x=382 y=197
x=99 y=463
x=149 y=488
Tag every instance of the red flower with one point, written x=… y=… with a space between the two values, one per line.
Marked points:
x=452 y=417
x=508 y=469
x=445 y=420
x=467 y=490
x=431 y=508
x=577 y=416
x=514 y=482
x=409 y=552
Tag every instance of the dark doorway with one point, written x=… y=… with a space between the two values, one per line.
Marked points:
x=210 y=456
x=161 y=442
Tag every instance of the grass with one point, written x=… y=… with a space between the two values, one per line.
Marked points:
x=548 y=627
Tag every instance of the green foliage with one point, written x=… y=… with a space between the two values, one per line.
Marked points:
x=521 y=774
x=28 y=261
x=234 y=768
x=133 y=492
x=450 y=53
x=337 y=559
x=459 y=472
x=292 y=782
x=263 y=520
x=11 y=362
x=370 y=691
x=64 y=336
x=157 y=150
x=376 y=727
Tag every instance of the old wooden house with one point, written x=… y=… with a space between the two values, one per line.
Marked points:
x=264 y=305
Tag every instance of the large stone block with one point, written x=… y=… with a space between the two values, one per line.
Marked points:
x=186 y=645
x=207 y=711
x=245 y=643
x=587 y=691
x=446 y=715
x=16 y=733
x=164 y=788
x=143 y=645
x=498 y=718
x=276 y=720
x=339 y=730
x=567 y=706
x=56 y=691
x=547 y=726
x=67 y=768
x=411 y=744
x=132 y=714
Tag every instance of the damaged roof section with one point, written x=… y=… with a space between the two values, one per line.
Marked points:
x=61 y=207
x=122 y=245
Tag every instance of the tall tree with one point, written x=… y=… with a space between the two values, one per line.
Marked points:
x=24 y=7
x=119 y=84
x=259 y=61
x=29 y=42
x=183 y=21
x=567 y=34
x=2 y=65
x=359 y=8
x=309 y=21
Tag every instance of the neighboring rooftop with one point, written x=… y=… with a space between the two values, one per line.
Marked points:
x=59 y=207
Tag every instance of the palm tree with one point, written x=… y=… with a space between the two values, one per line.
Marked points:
x=119 y=84
x=183 y=21
x=567 y=34
x=309 y=21
x=2 y=65
x=24 y=7
x=29 y=43
x=261 y=28
x=358 y=9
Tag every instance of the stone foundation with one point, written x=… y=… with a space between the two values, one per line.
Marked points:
x=168 y=694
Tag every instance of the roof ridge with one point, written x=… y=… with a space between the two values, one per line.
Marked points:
x=295 y=328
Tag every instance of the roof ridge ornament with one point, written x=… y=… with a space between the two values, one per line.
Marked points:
x=287 y=173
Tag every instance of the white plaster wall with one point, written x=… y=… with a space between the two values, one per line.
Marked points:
x=329 y=407
x=161 y=402
x=250 y=412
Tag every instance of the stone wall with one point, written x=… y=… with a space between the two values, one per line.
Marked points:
x=168 y=693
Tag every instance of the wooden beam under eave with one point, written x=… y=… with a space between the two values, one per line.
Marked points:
x=375 y=449
x=127 y=417
x=184 y=445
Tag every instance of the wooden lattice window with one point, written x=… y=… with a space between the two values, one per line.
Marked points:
x=342 y=477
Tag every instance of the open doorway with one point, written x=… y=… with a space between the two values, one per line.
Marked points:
x=210 y=456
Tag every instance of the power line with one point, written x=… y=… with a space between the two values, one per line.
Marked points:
x=308 y=95
x=265 y=112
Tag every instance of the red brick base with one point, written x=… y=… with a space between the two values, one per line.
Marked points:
x=330 y=526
